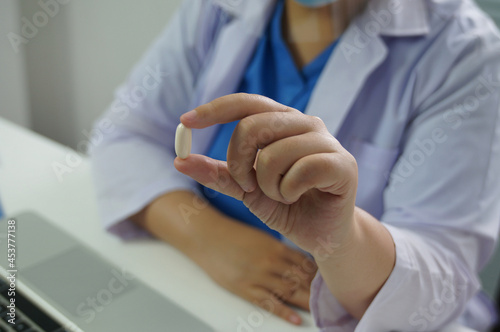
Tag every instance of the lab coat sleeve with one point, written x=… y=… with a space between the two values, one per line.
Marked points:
x=442 y=202
x=132 y=145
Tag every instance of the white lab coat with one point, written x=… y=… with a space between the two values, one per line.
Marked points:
x=411 y=90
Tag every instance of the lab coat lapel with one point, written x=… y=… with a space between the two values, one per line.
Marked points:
x=233 y=51
x=353 y=60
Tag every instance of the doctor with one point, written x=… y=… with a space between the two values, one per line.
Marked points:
x=398 y=196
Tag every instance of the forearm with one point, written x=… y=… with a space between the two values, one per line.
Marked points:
x=356 y=270
x=182 y=219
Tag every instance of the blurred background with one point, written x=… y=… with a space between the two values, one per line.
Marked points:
x=61 y=60
x=60 y=78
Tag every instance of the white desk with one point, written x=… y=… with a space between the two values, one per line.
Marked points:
x=28 y=182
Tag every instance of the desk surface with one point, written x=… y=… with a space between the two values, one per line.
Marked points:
x=28 y=182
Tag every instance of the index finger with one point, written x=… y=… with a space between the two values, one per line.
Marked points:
x=231 y=108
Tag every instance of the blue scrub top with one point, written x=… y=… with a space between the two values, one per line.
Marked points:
x=271 y=73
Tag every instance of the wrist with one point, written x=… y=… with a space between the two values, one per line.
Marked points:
x=181 y=219
x=338 y=242
x=368 y=249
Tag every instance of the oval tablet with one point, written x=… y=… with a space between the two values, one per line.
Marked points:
x=182 y=141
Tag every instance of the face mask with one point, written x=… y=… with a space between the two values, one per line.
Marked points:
x=314 y=3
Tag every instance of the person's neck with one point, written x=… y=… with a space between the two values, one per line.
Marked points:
x=309 y=31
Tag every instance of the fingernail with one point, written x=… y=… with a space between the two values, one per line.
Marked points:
x=248 y=187
x=294 y=319
x=189 y=116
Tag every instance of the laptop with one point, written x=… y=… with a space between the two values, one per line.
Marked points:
x=51 y=281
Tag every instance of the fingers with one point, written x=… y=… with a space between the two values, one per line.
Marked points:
x=257 y=132
x=274 y=291
x=214 y=174
x=263 y=123
x=210 y=173
x=300 y=299
x=303 y=268
x=281 y=284
x=328 y=172
x=270 y=302
x=290 y=289
x=277 y=158
x=291 y=277
x=231 y=108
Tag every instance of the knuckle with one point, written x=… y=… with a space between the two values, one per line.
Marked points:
x=287 y=109
x=245 y=127
x=310 y=267
x=269 y=262
x=279 y=121
x=279 y=294
x=316 y=122
x=324 y=162
x=243 y=95
x=266 y=160
x=286 y=292
x=234 y=168
x=351 y=163
x=304 y=174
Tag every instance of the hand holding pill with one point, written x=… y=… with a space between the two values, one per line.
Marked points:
x=285 y=166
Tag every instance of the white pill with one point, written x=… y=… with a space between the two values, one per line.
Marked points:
x=183 y=141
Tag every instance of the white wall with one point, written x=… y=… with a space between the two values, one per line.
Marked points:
x=13 y=89
x=77 y=53
x=49 y=68
x=112 y=36
x=492 y=7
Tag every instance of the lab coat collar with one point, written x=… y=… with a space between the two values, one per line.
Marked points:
x=252 y=12
x=232 y=7
x=235 y=47
x=353 y=60
x=396 y=17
